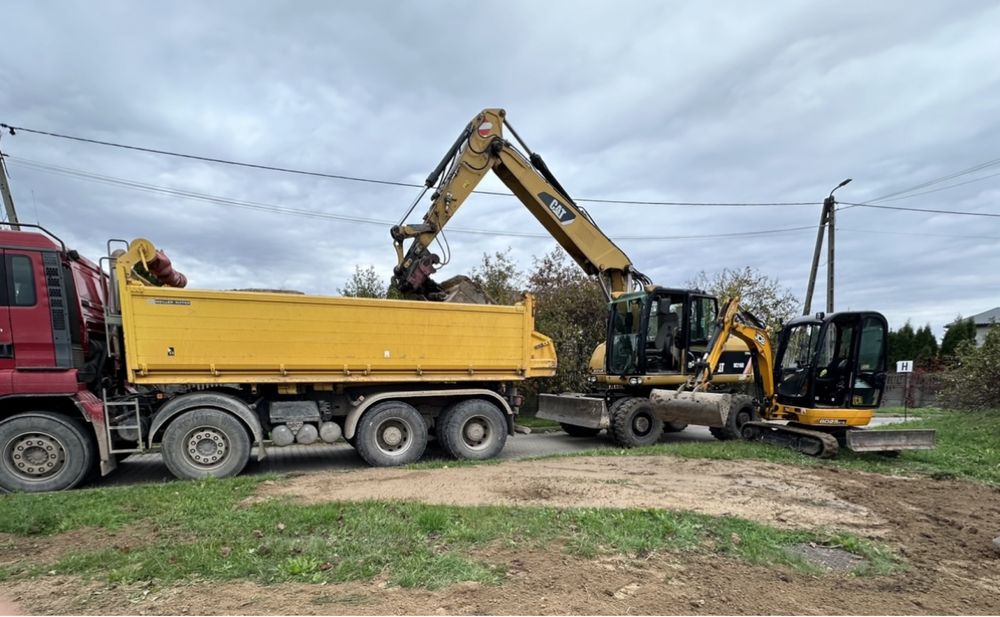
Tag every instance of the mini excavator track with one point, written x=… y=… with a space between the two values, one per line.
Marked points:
x=806 y=441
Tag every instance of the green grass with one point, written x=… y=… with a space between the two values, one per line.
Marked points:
x=202 y=531
x=968 y=447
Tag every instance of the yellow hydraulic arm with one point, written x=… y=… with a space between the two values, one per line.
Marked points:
x=735 y=321
x=479 y=148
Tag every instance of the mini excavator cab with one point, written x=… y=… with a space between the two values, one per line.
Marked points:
x=832 y=361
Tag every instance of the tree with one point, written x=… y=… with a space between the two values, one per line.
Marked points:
x=955 y=333
x=973 y=380
x=925 y=347
x=765 y=297
x=902 y=344
x=364 y=283
x=571 y=309
x=499 y=277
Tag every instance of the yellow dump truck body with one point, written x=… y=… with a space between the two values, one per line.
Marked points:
x=183 y=336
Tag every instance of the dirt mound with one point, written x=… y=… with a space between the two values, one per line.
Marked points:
x=789 y=497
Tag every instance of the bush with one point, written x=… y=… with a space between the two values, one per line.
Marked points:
x=973 y=379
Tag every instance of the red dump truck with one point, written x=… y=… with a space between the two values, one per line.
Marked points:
x=100 y=360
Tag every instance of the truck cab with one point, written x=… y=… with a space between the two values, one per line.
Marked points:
x=51 y=318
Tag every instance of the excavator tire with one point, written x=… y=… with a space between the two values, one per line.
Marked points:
x=743 y=412
x=633 y=423
x=674 y=427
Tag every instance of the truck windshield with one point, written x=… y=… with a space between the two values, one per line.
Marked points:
x=626 y=339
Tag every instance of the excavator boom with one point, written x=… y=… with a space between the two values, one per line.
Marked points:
x=479 y=148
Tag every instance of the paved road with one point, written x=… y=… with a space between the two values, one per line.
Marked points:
x=146 y=468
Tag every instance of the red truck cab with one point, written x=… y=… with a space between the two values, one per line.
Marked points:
x=52 y=356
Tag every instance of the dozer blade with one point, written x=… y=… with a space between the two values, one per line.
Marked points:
x=697 y=408
x=867 y=440
x=575 y=409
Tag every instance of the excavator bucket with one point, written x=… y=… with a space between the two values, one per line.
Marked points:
x=866 y=440
x=698 y=408
x=575 y=409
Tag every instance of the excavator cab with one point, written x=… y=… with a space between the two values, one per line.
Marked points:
x=658 y=330
x=832 y=361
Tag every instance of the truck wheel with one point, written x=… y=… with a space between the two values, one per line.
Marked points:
x=579 y=431
x=391 y=433
x=43 y=451
x=472 y=429
x=633 y=423
x=205 y=443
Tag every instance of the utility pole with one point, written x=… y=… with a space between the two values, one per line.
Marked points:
x=8 y=200
x=831 y=227
x=827 y=223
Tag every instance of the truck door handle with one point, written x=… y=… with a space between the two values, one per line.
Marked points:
x=6 y=350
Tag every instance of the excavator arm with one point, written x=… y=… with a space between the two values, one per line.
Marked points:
x=481 y=147
x=736 y=321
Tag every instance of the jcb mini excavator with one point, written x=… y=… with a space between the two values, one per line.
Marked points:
x=825 y=381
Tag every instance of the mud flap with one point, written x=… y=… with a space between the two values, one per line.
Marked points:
x=865 y=440
x=575 y=409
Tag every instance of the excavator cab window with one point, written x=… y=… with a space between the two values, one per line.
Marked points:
x=665 y=334
x=869 y=379
x=625 y=334
x=704 y=311
x=795 y=362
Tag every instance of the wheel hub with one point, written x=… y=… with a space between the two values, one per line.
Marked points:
x=36 y=455
x=392 y=436
x=474 y=432
x=641 y=424
x=206 y=446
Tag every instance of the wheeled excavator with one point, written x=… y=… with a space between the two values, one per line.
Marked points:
x=813 y=395
x=657 y=337
x=674 y=323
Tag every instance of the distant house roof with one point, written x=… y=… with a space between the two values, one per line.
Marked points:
x=987 y=317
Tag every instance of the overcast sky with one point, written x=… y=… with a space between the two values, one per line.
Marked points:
x=692 y=101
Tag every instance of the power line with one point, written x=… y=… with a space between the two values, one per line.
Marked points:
x=927 y=210
x=276 y=209
x=350 y=178
x=945 y=178
x=943 y=188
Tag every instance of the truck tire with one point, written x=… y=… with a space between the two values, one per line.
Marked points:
x=579 y=431
x=633 y=423
x=44 y=451
x=472 y=429
x=205 y=443
x=734 y=423
x=390 y=434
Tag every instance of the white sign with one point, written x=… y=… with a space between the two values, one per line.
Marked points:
x=904 y=366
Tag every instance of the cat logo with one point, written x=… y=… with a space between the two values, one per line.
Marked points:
x=560 y=210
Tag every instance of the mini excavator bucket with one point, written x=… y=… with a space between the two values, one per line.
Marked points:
x=698 y=408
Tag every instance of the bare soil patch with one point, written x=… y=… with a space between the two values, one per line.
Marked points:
x=790 y=497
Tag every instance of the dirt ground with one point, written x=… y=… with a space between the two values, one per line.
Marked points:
x=942 y=528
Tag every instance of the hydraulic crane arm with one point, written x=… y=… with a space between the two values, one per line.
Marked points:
x=479 y=148
x=735 y=321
